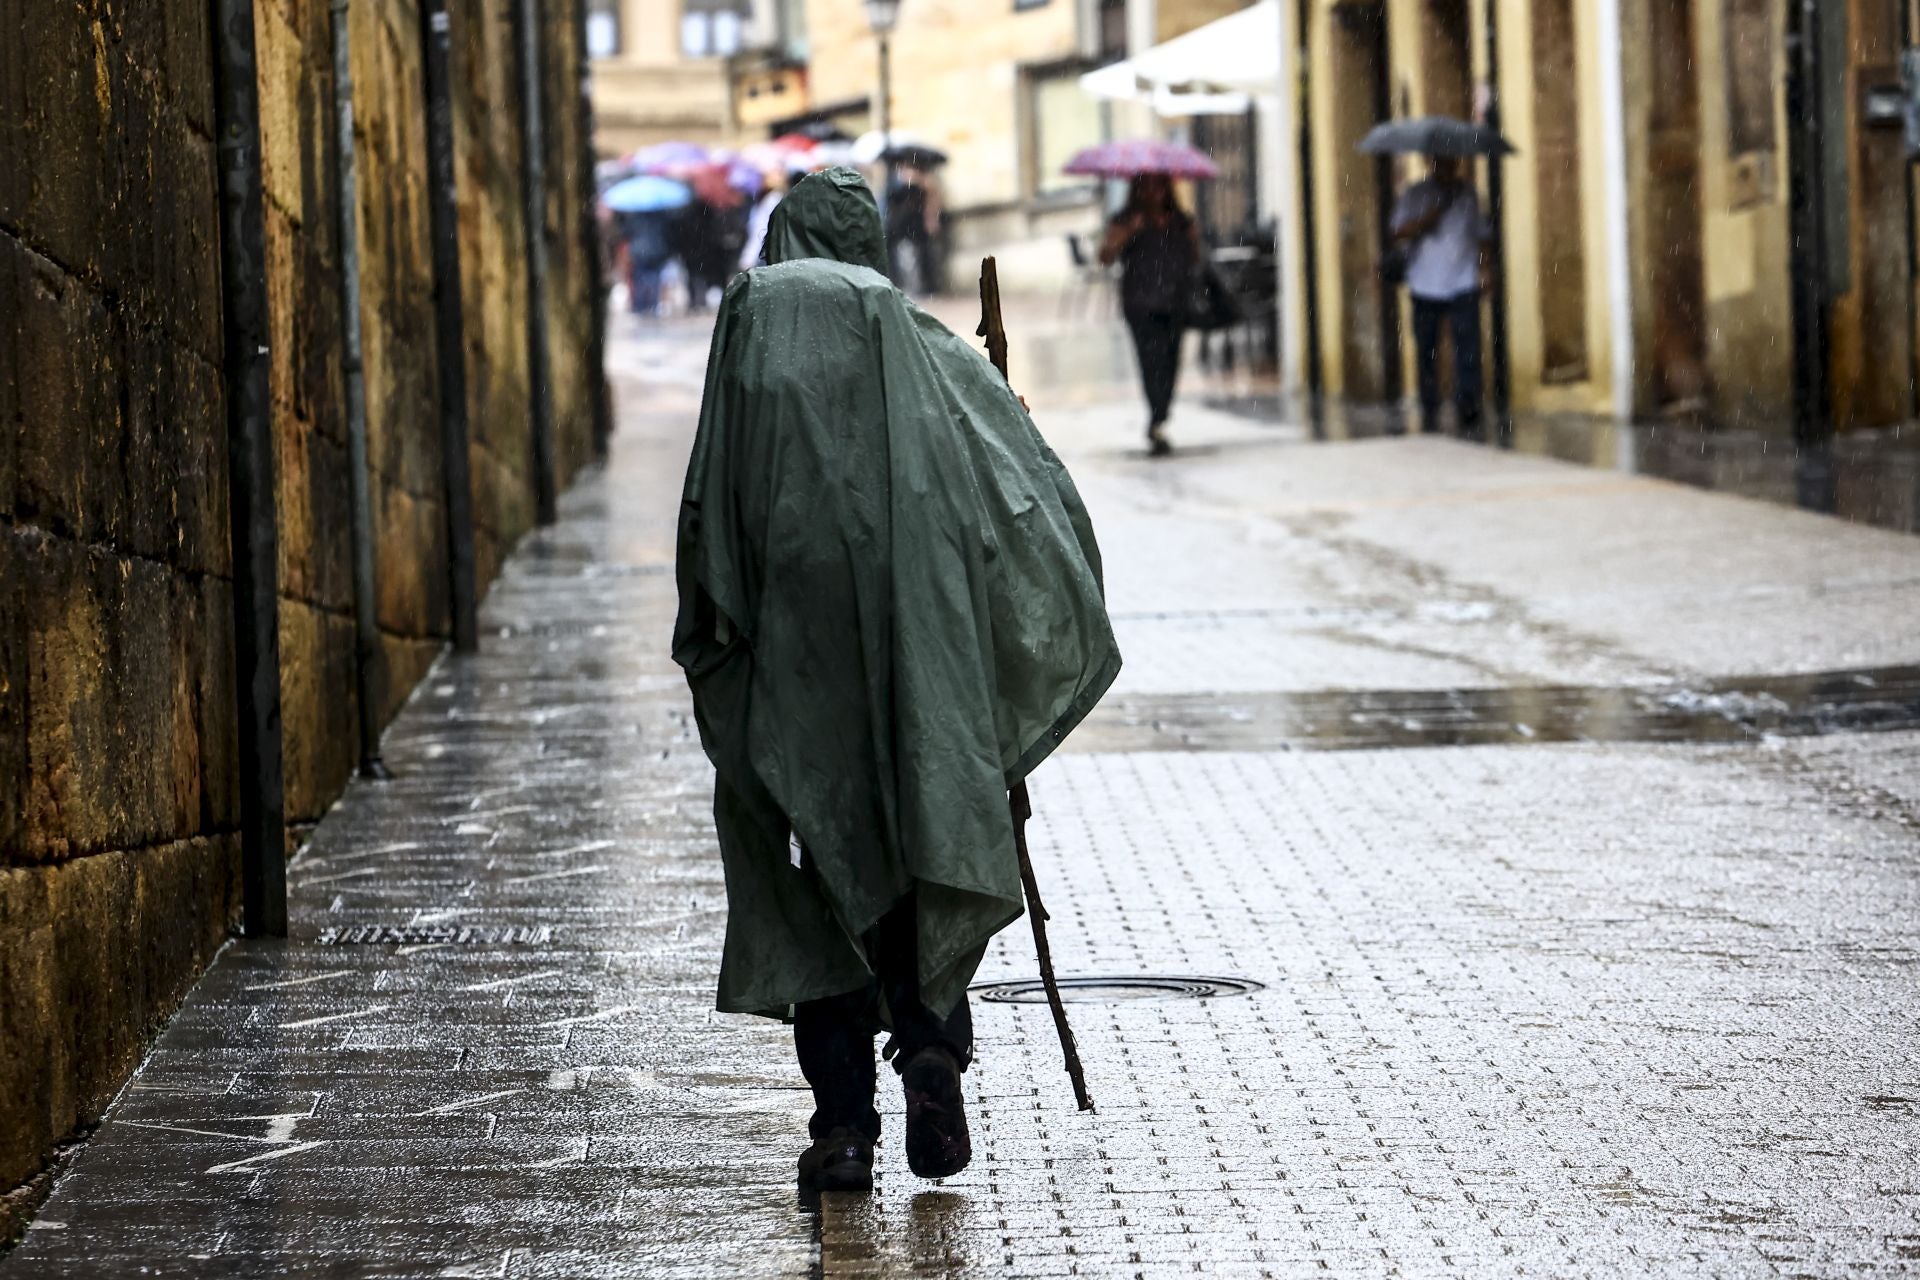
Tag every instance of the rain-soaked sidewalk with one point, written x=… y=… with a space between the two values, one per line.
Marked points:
x=1561 y=899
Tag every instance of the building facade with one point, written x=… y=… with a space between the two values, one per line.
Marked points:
x=1709 y=214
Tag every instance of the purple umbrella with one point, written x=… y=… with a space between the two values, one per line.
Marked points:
x=1134 y=156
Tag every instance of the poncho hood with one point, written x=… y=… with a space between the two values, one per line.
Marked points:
x=830 y=214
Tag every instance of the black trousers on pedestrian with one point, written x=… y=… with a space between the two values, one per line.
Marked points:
x=1156 y=341
x=834 y=1037
x=1460 y=317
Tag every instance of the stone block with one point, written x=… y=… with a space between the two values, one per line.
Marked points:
x=189 y=61
x=282 y=68
x=216 y=705
x=320 y=735
x=67 y=131
x=14 y=63
x=410 y=563
x=68 y=387
x=406 y=662
x=187 y=253
x=13 y=696
x=93 y=953
x=13 y=282
x=313 y=493
x=112 y=736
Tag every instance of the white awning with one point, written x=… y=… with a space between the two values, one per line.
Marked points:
x=1209 y=70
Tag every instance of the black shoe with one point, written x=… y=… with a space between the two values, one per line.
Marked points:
x=1158 y=446
x=841 y=1161
x=937 y=1142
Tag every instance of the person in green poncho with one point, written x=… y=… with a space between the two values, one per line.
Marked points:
x=890 y=611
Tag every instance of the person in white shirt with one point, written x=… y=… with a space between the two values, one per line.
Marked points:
x=1439 y=221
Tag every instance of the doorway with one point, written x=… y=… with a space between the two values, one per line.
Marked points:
x=1556 y=166
x=1882 y=386
x=1370 y=337
x=1677 y=271
x=1446 y=58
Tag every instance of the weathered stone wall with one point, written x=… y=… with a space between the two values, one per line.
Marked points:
x=119 y=806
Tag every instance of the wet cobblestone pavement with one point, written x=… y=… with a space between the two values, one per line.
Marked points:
x=1530 y=1007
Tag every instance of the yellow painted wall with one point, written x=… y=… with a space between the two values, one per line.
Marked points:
x=955 y=78
x=649 y=92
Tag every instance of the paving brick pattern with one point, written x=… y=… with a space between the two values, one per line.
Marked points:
x=1533 y=1010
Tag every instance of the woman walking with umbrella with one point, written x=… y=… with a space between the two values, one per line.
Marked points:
x=1157 y=245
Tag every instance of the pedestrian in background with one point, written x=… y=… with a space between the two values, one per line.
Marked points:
x=758 y=217
x=1157 y=246
x=1446 y=235
x=649 y=249
x=913 y=218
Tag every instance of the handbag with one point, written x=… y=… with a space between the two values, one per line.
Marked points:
x=1394 y=263
x=1210 y=304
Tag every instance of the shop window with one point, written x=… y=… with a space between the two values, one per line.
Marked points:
x=1061 y=120
x=1556 y=168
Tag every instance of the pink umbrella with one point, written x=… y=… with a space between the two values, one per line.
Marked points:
x=672 y=159
x=1134 y=156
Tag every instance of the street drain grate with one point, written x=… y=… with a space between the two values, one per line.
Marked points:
x=410 y=935
x=1113 y=990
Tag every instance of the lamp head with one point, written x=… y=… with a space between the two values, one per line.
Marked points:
x=882 y=15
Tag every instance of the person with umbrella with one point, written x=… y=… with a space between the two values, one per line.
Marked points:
x=644 y=207
x=1157 y=245
x=1446 y=237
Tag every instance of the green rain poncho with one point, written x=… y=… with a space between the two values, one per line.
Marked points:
x=890 y=611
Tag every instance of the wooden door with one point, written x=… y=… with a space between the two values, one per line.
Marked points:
x=1882 y=384
x=1370 y=319
x=1676 y=268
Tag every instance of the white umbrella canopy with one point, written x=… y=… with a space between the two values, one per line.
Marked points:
x=1204 y=70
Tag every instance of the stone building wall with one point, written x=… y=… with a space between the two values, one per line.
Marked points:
x=119 y=810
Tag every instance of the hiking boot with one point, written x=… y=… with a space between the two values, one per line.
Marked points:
x=841 y=1161
x=937 y=1142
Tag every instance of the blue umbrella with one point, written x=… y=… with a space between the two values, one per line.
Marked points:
x=647 y=194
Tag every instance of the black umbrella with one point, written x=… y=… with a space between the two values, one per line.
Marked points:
x=915 y=155
x=1435 y=136
x=823 y=131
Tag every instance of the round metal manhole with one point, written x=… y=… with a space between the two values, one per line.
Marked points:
x=1113 y=990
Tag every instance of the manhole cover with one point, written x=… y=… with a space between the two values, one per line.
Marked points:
x=1110 y=990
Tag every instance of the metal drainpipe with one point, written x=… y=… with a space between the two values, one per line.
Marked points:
x=599 y=394
x=449 y=321
x=1309 y=231
x=366 y=632
x=533 y=181
x=1501 y=363
x=250 y=472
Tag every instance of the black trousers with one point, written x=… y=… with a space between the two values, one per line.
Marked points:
x=1461 y=318
x=1156 y=341
x=834 y=1037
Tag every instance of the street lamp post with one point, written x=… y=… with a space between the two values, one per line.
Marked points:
x=882 y=16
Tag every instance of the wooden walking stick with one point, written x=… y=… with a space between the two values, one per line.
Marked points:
x=994 y=330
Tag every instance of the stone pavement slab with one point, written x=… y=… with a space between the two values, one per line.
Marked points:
x=1572 y=1009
